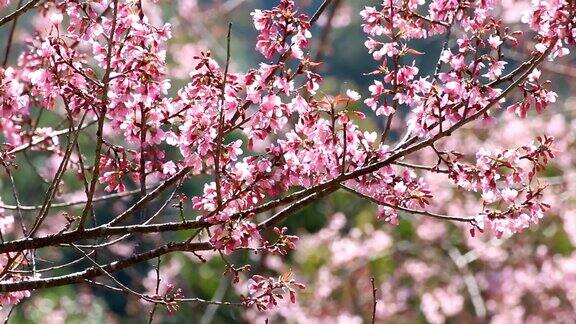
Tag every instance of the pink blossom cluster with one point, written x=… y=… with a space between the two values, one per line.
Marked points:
x=13 y=298
x=14 y=105
x=10 y=298
x=277 y=25
x=505 y=180
x=265 y=292
x=252 y=137
x=535 y=95
x=14 y=259
x=447 y=98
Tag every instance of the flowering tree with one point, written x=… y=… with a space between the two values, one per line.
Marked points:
x=88 y=110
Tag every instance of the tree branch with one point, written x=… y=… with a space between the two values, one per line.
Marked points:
x=92 y=272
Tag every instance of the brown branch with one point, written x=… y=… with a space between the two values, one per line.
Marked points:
x=302 y=198
x=10 y=37
x=152 y=195
x=221 y=123
x=74 y=133
x=33 y=143
x=109 y=228
x=313 y=193
x=102 y=231
x=283 y=214
x=319 y=12
x=374 y=300
x=76 y=202
x=470 y=220
x=325 y=33
x=20 y=11
x=101 y=118
x=94 y=271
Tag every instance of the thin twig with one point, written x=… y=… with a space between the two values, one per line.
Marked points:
x=18 y=207
x=395 y=67
x=40 y=140
x=294 y=207
x=319 y=12
x=157 y=291
x=221 y=123
x=74 y=133
x=470 y=220
x=92 y=272
x=325 y=33
x=374 y=300
x=10 y=312
x=101 y=118
x=469 y=280
x=10 y=37
x=31 y=4
x=75 y=202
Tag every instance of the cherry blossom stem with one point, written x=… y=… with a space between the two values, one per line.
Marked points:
x=77 y=202
x=395 y=66
x=222 y=112
x=95 y=271
x=319 y=11
x=325 y=33
x=470 y=220
x=10 y=37
x=74 y=133
x=101 y=119
x=374 y=300
x=20 y=11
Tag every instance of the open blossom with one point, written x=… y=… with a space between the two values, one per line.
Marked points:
x=509 y=194
x=233 y=236
x=355 y=96
x=494 y=41
x=495 y=69
x=388 y=214
x=387 y=49
x=385 y=110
